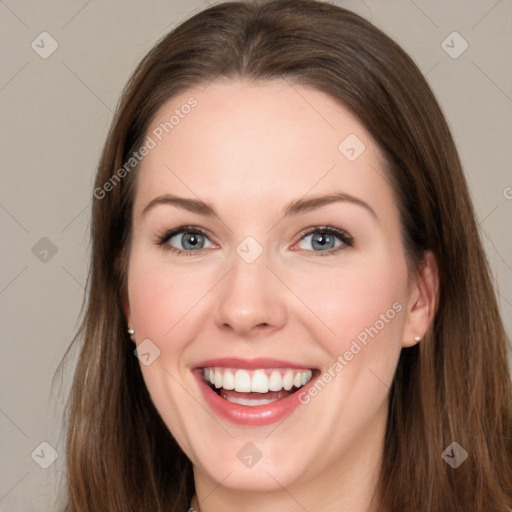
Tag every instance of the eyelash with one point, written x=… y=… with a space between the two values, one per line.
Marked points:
x=346 y=239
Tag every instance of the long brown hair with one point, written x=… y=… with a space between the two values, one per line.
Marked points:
x=453 y=386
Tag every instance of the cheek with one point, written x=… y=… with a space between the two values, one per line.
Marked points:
x=362 y=302
x=363 y=314
x=358 y=299
x=161 y=296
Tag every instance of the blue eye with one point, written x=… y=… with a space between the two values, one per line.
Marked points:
x=326 y=240
x=186 y=240
x=191 y=240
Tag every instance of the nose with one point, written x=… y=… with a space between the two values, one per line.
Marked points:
x=251 y=300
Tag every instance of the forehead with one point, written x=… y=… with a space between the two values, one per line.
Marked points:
x=258 y=143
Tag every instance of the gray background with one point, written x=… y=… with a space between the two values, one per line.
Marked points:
x=55 y=115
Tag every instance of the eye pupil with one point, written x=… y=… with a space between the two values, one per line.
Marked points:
x=322 y=240
x=192 y=239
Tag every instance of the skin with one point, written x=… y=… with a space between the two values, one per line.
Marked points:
x=248 y=149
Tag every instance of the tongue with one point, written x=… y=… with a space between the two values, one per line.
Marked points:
x=270 y=395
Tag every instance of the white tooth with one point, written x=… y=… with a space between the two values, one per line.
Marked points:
x=246 y=401
x=275 y=382
x=309 y=375
x=288 y=380
x=297 y=380
x=206 y=374
x=228 y=381
x=304 y=377
x=212 y=376
x=259 y=382
x=218 y=378
x=242 y=381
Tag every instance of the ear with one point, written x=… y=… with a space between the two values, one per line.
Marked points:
x=422 y=300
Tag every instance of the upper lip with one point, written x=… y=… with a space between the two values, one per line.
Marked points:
x=251 y=364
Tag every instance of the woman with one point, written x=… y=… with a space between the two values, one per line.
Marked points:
x=283 y=233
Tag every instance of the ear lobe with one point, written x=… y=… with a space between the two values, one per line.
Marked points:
x=423 y=300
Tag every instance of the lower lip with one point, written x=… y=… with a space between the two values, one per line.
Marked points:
x=247 y=415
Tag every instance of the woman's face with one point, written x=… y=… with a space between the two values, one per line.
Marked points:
x=267 y=253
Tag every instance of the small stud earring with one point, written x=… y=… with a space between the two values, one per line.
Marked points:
x=131 y=332
x=417 y=338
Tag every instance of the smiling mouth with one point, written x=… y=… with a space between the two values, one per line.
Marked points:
x=255 y=387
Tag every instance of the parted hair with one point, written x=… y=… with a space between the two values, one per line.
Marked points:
x=454 y=385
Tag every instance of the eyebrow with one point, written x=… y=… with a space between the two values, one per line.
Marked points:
x=296 y=207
